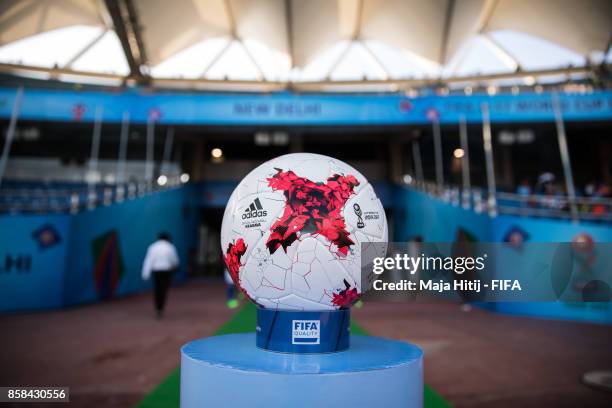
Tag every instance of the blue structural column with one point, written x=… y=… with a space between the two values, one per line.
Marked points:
x=230 y=371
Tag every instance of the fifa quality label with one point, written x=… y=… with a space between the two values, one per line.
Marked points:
x=306 y=332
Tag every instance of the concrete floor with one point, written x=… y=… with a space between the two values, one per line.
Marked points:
x=111 y=354
x=485 y=359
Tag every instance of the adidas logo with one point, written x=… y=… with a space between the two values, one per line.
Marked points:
x=255 y=210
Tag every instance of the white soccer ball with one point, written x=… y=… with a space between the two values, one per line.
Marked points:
x=293 y=231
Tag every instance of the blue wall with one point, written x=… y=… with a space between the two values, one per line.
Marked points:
x=418 y=214
x=64 y=271
x=50 y=261
x=437 y=221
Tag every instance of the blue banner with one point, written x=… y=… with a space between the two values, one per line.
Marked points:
x=33 y=253
x=285 y=108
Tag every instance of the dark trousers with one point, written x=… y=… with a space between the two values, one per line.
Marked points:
x=161 y=284
x=230 y=291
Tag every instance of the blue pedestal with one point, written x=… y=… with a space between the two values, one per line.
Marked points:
x=230 y=371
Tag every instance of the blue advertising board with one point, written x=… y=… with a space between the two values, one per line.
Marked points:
x=33 y=253
x=284 y=108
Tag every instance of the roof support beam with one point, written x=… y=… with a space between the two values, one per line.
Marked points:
x=473 y=79
x=86 y=48
x=339 y=59
x=136 y=33
x=17 y=69
x=43 y=17
x=501 y=52
x=233 y=28
x=230 y=19
x=8 y=22
x=358 y=19
x=289 y=28
x=126 y=26
x=262 y=74
x=488 y=10
x=376 y=60
x=355 y=39
x=217 y=57
x=448 y=21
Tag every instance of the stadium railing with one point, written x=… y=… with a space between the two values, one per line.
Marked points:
x=61 y=198
x=43 y=198
x=597 y=209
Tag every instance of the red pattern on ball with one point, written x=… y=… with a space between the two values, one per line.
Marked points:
x=312 y=207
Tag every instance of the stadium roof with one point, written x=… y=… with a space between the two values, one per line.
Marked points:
x=305 y=41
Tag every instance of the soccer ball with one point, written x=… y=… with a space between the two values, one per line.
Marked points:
x=294 y=230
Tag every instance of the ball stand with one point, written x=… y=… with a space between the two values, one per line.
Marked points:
x=300 y=359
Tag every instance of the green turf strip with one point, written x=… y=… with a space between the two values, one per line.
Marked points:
x=166 y=395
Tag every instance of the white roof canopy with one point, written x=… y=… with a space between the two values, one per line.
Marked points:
x=284 y=39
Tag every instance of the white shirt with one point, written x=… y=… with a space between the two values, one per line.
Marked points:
x=161 y=256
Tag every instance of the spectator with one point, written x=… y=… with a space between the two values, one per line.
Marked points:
x=524 y=191
x=602 y=192
x=545 y=179
x=161 y=261
x=232 y=302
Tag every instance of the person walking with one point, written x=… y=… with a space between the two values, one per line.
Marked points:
x=230 y=286
x=161 y=261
